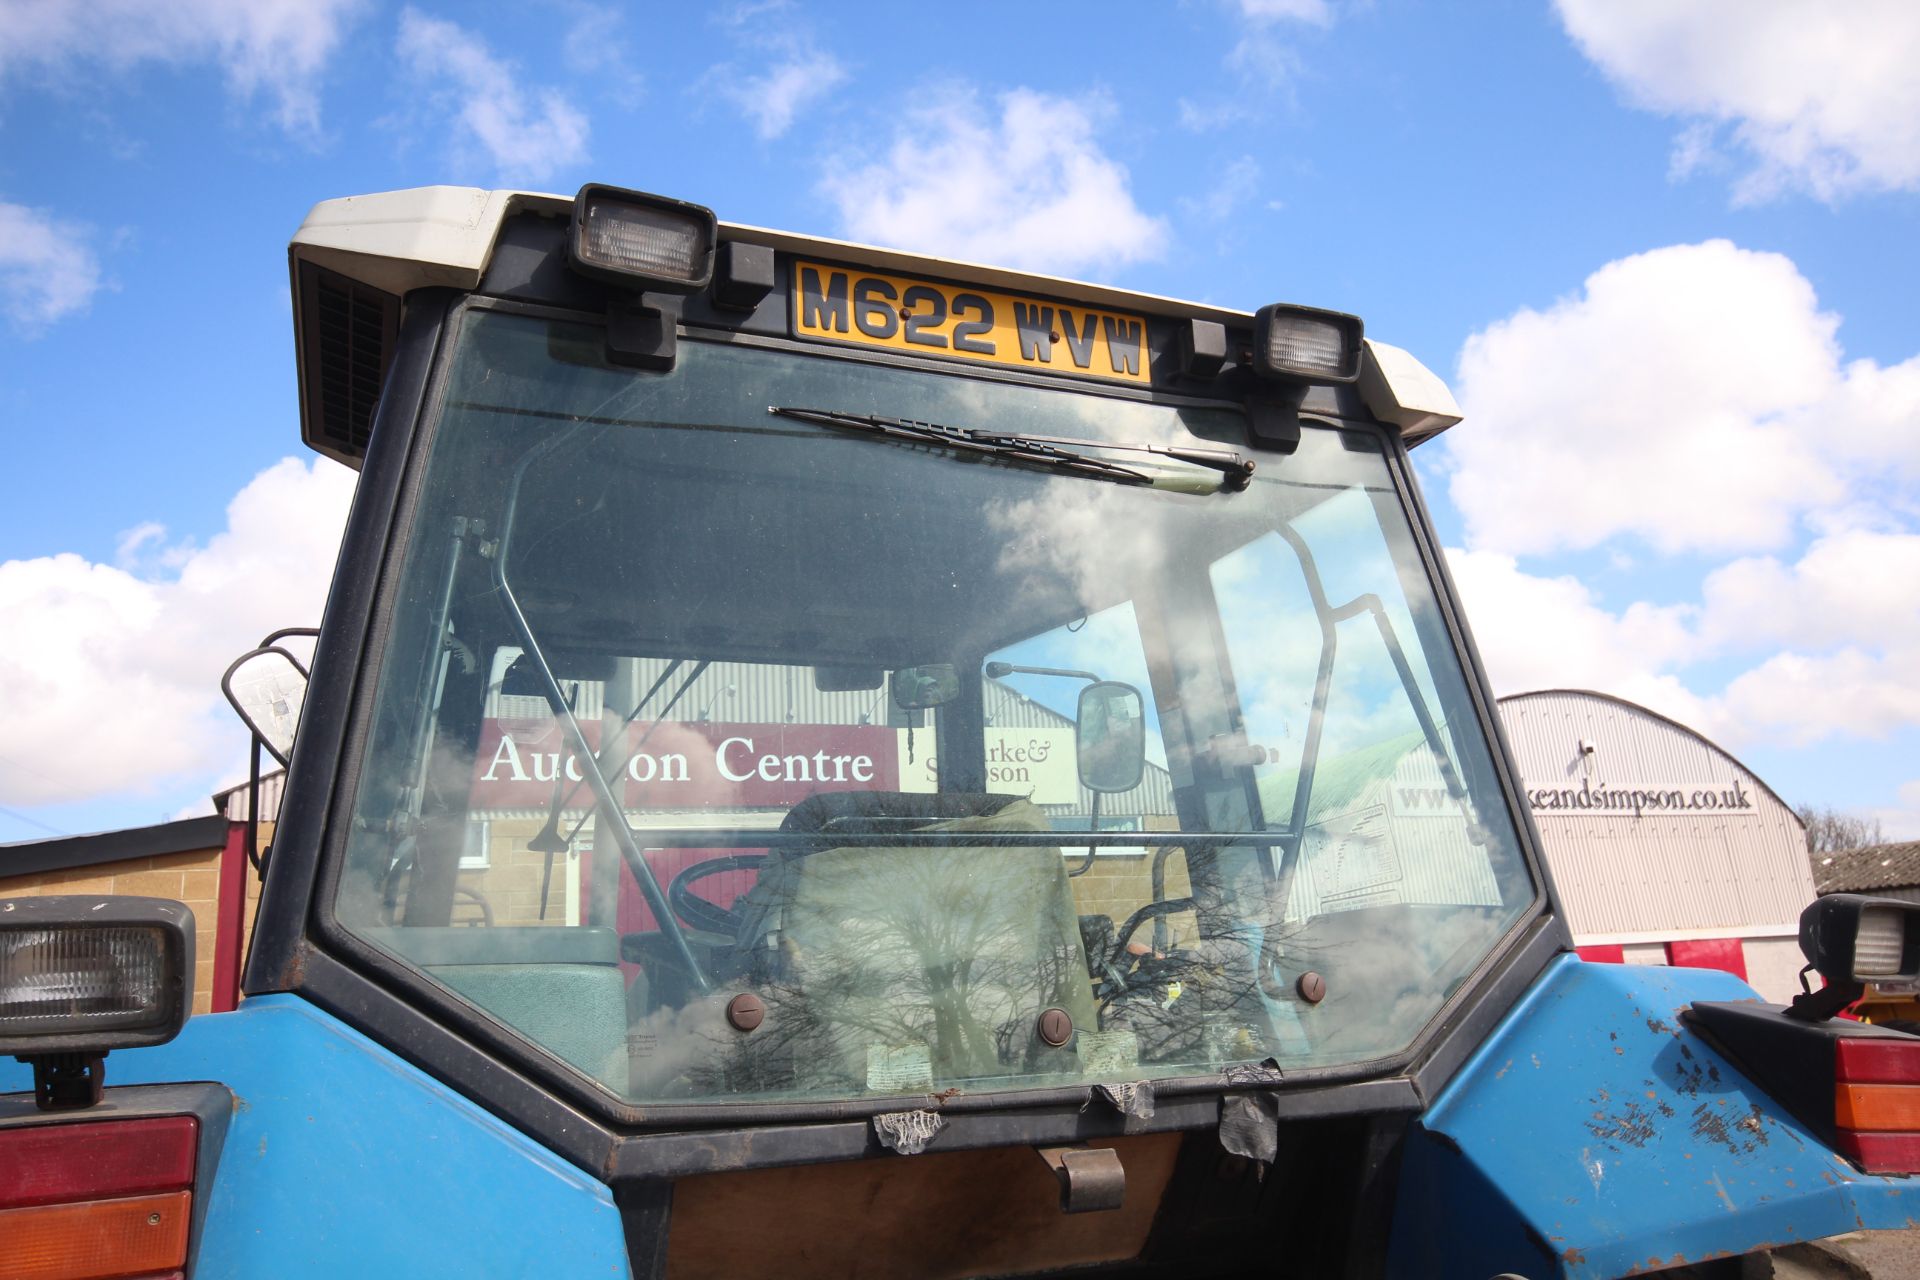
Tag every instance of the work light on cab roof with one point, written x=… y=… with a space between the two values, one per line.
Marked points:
x=663 y=245
x=1306 y=344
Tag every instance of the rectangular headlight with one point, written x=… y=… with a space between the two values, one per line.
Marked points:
x=90 y=974
x=1880 y=944
x=646 y=240
x=1306 y=344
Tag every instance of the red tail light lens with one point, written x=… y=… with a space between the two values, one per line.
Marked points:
x=1882 y=1152
x=1876 y=1103
x=96 y=1198
x=52 y=1163
x=1861 y=1060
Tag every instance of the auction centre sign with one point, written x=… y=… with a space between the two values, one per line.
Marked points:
x=751 y=766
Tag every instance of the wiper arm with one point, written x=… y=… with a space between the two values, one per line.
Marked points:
x=1041 y=451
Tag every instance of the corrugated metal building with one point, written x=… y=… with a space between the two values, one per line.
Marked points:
x=1664 y=848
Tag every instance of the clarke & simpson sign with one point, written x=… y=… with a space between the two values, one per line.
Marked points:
x=1603 y=799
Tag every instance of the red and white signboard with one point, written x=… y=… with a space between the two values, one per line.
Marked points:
x=685 y=766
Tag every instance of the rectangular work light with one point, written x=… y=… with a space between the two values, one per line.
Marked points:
x=1306 y=344
x=83 y=975
x=650 y=242
x=1851 y=937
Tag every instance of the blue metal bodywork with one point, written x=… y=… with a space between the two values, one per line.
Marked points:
x=344 y=1161
x=1594 y=1134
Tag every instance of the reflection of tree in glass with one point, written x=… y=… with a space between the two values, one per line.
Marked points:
x=957 y=949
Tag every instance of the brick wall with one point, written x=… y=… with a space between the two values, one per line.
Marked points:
x=192 y=877
x=1118 y=885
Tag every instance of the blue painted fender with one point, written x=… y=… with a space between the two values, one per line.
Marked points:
x=1595 y=1135
x=344 y=1161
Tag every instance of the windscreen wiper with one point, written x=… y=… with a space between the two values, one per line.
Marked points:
x=1043 y=451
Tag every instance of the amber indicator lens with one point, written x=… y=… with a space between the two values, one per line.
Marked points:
x=1884 y=1107
x=133 y=1236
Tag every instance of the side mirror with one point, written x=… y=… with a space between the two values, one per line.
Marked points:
x=265 y=688
x=917 y=688
x=1110 y=737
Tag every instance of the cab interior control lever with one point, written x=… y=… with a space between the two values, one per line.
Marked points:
x=1091 y=1178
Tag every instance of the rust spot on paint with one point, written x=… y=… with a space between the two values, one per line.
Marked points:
x=1740 y=1137
x=1632 y=1124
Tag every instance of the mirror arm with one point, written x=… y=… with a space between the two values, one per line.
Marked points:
x=1086 y=863
x=253 y=810
x=997 y=669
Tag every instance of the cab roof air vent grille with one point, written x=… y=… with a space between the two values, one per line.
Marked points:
x=346 y=345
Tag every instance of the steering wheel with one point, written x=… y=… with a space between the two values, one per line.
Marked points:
x=703 y=913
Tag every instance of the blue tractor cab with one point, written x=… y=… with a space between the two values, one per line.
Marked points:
x=822 y=761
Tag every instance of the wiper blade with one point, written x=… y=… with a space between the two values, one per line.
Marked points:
x=1041 y=451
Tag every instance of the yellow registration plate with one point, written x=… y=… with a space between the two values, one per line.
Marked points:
x=842 y=304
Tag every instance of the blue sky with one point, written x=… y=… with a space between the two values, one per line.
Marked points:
x=1664 y=253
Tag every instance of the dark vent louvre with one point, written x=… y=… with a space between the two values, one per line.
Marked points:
x=350 y=337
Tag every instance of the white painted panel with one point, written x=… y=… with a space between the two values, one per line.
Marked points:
x=1728 y=858
x=1773 y=967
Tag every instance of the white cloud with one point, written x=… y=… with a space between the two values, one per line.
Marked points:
x=1691 y=396
x=48 y=270
x=1263 y=61
x=1031 y=188
x=1802 y=699
x=1848 y=615
x=274 y=48
x=1820 y=97
x=1551 y=633
x=1901 y=820
x=527 y=134
x=1839 y=628
x=1852 y=586
x=1261 y=11
x=1235 y=185
x=797 y=75
x=109 y=678
x=595 y=46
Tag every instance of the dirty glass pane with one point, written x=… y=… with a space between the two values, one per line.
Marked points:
x=638 y=785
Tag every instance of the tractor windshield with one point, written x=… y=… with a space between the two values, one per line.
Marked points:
x=729 y=755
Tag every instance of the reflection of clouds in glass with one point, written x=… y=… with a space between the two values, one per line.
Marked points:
x=1078 y=545
x=1387 y=972
x=1275 y=643
x=1065 y=413
x=1106 y=643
